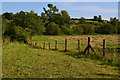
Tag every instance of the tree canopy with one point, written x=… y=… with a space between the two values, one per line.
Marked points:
x=23 y=25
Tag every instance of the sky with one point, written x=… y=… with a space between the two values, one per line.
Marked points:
x=75 y=9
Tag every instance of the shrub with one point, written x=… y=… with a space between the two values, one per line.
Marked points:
x=21 y=34
x=88 y=28
x=52 y=29
x=106 y=29
x=65 y=30
x=78 y=30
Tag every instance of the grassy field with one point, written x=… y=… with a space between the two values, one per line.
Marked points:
x=24 y=61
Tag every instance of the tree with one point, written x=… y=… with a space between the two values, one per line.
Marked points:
x=52 y=29
x=115 y=23
x=88 y=28
x=65 y=16
x=65 y=30
x=29 y=20
x=95 y=18
x=78 y=30
x=99 y=18
x=106 y=29
x=21 y=34
x=8 y=15
x=82 y=20
x=51 y=15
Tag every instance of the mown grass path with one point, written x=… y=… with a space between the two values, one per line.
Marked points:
x=23 y=61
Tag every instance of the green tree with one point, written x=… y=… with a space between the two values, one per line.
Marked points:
x=8 y=15
x=82 y=20
x=106 y=29
x=65 y=30
x=115 y=23
x=88 y=28
x=29 y=20
x=99 y=18
x=95 y=18
x=65 y=16
x=52 y=29
x=78 y=30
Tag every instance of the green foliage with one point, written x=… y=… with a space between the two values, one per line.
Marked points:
x=21 y=34
x=29 y=20
x=8 y=16
x=106 y=29
x=115 y=23
x=4 y=25
x=88 y=28
x=65 y=16
x=78 y=29
x=118 y=28
x=65 y=30
x=52 y=22
x=98 y=18
x=15 y=32
x=52 y=29
x=82 y=20
x=21 y=25
x=21 y=60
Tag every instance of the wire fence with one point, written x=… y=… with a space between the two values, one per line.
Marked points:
x=87 y=47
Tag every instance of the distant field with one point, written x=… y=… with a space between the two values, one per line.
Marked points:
x=24 y=61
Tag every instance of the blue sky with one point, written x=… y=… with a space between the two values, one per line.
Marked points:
x=75 y=9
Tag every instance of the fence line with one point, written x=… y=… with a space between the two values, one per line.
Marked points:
x=87 y=49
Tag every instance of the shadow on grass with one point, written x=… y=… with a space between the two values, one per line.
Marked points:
x=79 y=55
x=105 y=61
x=110 y=75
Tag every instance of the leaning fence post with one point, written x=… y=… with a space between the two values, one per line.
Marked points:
x=88 y=45
x=104 y=48
x=78 y=45
x=55 y=45
x=65 y=45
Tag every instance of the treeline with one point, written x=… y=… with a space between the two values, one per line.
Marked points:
x=23 y=25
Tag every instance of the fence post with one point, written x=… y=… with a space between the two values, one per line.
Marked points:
x=44 y=45
x=49 y=45
x=65 y=45
x=36 y=45
x=88 y=45
x=104 y=48
x=55 y=45
x=40 y=45
x=78 y=45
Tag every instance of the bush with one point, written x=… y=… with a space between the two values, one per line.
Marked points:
x=65 y=30
x=78 y=30
x=21 y=34
x=88 y=28
x=52 y=29
x=106 y=29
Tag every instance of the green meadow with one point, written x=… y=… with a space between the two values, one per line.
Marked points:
x=21 y=60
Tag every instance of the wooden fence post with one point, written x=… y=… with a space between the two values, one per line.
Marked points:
x=55 y=45
x=44 y=45
x=104 y=48
x=65 y=45
x=36 y=45
x=88 y=45
x=49 y=45
x=78 y=45
x=40 y=46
